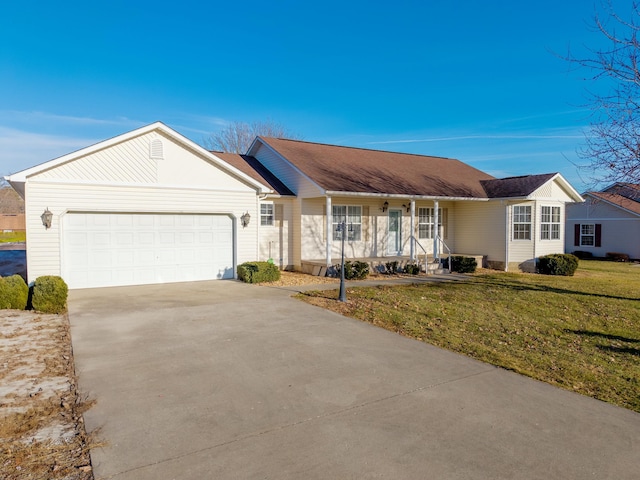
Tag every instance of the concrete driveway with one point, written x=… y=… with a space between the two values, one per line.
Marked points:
x=222 y=380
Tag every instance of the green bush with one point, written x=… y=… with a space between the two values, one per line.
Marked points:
x=460 y=264
x=13 y=292
x=392 y=267
x=49 y=294
x=355 y=270
x=4 y=294
x=558 y=264
x=258 y=272
x=412 y=269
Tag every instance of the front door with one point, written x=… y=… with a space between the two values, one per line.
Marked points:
x=394 y=237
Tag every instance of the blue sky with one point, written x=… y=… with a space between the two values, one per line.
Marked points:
x=472 y=80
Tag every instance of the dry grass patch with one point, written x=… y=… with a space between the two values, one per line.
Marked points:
x=41 y=427
x=581 y=333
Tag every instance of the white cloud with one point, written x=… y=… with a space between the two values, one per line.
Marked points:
x=20 y=149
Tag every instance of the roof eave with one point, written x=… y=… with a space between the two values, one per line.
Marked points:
x=332 y=193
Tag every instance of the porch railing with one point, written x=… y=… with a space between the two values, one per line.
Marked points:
x=442 y=242
x=426 y=257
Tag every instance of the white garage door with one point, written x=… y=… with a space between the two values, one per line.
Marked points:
x=109 y=249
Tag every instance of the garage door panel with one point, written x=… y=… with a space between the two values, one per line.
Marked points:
x=108 y=249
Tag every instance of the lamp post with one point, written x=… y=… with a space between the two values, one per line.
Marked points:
x=343 y=292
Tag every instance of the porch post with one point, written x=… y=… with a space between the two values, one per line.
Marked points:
x=329 y=230
x=413 y=230
x=436 y=230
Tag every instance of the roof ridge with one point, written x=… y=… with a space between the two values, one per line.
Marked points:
x=359 y=148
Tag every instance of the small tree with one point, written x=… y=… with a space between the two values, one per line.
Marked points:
x=238 y=136
x=612 y=142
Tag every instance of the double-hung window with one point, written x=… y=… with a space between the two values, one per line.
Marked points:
x=426 y=222
x=587 y=235
x=550 y=223
x=522 y=222
x=266 y=214
x=352 y=216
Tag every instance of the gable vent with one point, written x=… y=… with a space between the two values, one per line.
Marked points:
x=156 y=149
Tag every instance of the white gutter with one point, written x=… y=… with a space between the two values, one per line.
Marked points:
x=403 y=196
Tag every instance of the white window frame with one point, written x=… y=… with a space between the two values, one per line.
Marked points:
x=549 y=223
x=267 y=214
x=521 y=222
x=426 y=222
x=591 y=235
x=352 y=216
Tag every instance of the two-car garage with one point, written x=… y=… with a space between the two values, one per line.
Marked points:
x=109 y=249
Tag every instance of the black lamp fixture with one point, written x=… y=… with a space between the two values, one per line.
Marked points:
x=245 y=219
x=385 y=206
x=408 y=207
x=46 y=217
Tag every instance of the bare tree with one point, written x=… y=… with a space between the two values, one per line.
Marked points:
x=612 y=147
x=238 y=136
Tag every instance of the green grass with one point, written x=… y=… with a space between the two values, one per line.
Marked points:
x=10 y=237
x=581 y=333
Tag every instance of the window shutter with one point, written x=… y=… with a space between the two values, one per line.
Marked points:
x=279 y=213
x=598 y=234
x=576 y=230
x=365 y=223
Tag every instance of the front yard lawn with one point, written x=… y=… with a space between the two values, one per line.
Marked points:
x=580 y=333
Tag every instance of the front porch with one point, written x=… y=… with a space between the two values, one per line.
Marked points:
x=430 y=265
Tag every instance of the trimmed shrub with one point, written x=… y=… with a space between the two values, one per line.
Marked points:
x=15 y=293
x=558 y=264
x=258 y=272
x=583 y=255
x=617 y=257
x=355 y=270
x=392 y=267
x=4 y=294
x=460 y=264
x=49 y=294
x=412 y=269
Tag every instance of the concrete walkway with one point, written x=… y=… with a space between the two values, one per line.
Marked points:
x=222 y=380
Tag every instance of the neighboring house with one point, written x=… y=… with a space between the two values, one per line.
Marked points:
x=607 y=221
x=11 y=210
x=150 y=206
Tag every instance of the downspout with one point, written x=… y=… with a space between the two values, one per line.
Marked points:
x=329 y=230
x=506 y=237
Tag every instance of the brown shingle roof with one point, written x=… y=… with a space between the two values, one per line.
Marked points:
x=348 y=169
x=10 y=202
x=619 y=200
x=515 y=186
x=628 y=190
x=253 y=168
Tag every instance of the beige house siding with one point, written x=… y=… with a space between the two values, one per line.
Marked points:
x=554 y=191
x=480 y=230
x=547 y=247
x=276 y=241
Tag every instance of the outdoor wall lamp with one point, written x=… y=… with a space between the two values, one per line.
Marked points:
x=385 y=206
x=408 y=207
x=46 y=217
x=244 y=220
